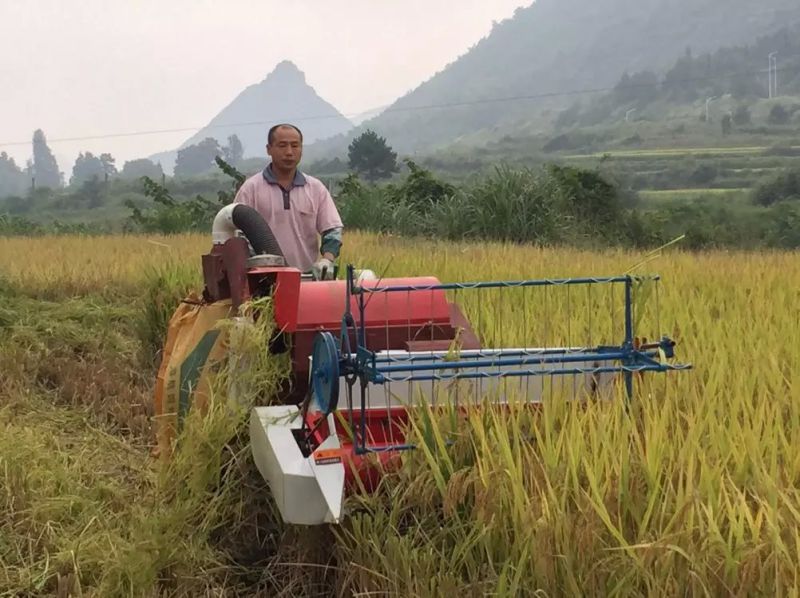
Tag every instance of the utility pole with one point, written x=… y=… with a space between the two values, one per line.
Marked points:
x=708 y=101
x=773 y=75
x=628 y=114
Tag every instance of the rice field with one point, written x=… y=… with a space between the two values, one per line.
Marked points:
x=683 y=193
x=679 y=152
x=694 y=491
x=665 y=197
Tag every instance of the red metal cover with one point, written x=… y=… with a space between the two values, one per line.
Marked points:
x=322 y=304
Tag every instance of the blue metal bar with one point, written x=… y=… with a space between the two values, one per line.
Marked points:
x=362 y=342
x=500 y=284
x=433 y=356
x=628 y=335
x=480 y=363
x=648 y=358
x=551 y=372
x=436 y=355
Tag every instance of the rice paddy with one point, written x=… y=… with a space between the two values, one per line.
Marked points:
x=693 y=491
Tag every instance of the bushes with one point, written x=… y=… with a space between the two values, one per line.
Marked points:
x=784 y=225
x=560 y=205
x=380 y=209
x=19 y=226
x=785 y=186
x=552 y=205
x=511 y=205
x=169 y=215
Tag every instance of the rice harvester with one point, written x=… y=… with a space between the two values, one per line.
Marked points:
x=363 y=349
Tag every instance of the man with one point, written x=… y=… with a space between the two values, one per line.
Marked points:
x=296 y=206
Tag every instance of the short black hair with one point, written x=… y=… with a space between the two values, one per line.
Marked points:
x=271 y=134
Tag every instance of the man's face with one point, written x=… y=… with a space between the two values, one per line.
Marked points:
x=286 y=148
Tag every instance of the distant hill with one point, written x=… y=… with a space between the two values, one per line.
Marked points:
x=557 y=46
x=734 y=76
x=357 y=119
x=282 y=96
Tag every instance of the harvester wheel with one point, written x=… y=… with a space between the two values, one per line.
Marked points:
x=325 y=372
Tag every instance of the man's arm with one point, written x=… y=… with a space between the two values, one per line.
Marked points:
x=331 y=243
x=329 y=226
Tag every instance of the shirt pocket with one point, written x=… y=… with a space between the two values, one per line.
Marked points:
x=307 y=217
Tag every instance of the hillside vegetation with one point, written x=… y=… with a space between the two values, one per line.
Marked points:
x=549 y=206
x=559 y=47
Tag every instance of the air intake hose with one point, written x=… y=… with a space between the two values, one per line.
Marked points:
x=250 y=222
x=256 y=229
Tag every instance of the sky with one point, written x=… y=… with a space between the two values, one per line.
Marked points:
x=83 y=68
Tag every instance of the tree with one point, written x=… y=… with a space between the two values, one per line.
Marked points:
x=136 y=169
x=109 y=167
x=727 y=126
x=421 y=189
x=92 y=192
x=785 y=186
x=778 y=115
x=641 y=88
x=197 y=159
x=170 y=215
x=372 y=157
x=87 y=166
x=12 y=179
x=741 y=115
x=681 y=81
x=45 y=167
x=234 y=151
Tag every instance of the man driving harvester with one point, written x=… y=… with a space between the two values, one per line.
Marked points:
x=296 y=206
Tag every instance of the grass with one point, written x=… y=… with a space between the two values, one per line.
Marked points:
x=670 y=152
x=693 y=493
x=658 y=193
x=663 y=197
x=679 y=152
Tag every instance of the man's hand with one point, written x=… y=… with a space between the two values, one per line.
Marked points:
x=322 y=269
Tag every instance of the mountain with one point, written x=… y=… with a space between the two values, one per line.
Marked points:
x=359 y=118
x=733 y=78
x=548 y=51
x=283 y=96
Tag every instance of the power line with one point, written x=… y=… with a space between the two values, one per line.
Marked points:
x=464 y=103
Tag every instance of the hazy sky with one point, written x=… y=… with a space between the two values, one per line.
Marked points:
x=77 y=68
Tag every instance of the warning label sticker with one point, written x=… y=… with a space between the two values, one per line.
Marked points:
x=328 y=456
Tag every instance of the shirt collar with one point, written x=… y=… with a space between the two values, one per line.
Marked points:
x=269 y=176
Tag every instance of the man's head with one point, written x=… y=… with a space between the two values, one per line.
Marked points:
x=285 y=147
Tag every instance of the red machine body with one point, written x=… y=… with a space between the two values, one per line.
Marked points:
x=415 y=321
x=422 y=320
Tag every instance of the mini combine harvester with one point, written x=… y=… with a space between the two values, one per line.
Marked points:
x=364 y=350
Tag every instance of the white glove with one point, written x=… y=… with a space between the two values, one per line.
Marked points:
x=322 y=269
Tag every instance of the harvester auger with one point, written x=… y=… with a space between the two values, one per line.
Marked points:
x=364 y=351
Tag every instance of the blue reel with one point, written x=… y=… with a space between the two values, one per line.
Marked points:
x=325 y=372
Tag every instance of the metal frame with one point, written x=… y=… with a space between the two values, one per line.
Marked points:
x=368 y=367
